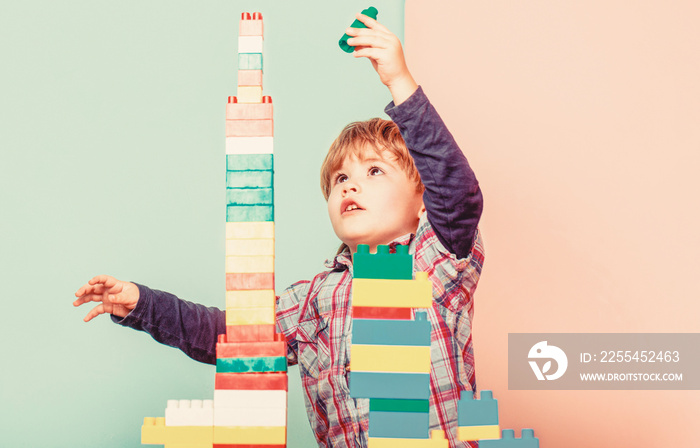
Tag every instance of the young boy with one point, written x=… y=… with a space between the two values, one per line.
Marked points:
x=371 y=179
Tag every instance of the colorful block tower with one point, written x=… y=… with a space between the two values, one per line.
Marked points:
x=250 y=398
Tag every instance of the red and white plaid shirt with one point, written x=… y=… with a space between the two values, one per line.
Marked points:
x=315 y=317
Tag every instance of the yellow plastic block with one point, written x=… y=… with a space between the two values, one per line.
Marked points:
x=437 y=440
x=249 y=94
x=257 y=263
x=249 y=247
x=250 y=316
x=467 y=433
x=154 y=432
x=389 y=358
x=247 y=230
x=258 y=435
x=416 y=293
x=255 y=298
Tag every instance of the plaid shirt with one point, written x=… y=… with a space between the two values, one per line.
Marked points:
x=316 y=320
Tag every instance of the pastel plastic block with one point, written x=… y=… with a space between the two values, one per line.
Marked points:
x=250 y=316
x=249 y=196
x=255 y=364
x=397 y=266
x=243 y=230
x=155 y=432
x=508 y=440
x=249 y=145
x=385 y=405
x=416 y=293
x=261 y=263
x=247 y=333
x=411 y=425
x=250 y=61
x=189 y=413
x=412 y=386
x=250 y=24
x=254 y=298
x=250 y=78
x=250 y=399
x=437 y=440
x=250 y=281
x=250 y=44
x=343 y=43
x=391 y=331
x=245 y=162
x=248 y=111
x=249 y=179
x=249 y=94
x=390 y=358
x=374 y=312
x=250 y=349
x=249 y=213
x=247 y=445
x=251 y=381
x=472 y=433
x=250 y=128
x=250 y=434
x=249 y=246
x=471 y=412
x=250 y=417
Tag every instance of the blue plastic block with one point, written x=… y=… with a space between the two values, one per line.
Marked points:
x=482 y=412
x=253 y=364
x=249 y=179
x=249 y=196
x=392 y=331
x=398 y=266
x=250 y=61
x=250 y=213
x=415 y=386
x=399 y=425
x=508 y=440
x=245 y=162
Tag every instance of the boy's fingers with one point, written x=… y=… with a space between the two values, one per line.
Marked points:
x=371 y=23
x=99 y=309
x=368 y=41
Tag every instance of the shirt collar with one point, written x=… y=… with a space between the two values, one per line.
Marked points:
x=343 y=260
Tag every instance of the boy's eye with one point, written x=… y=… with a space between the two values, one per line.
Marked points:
x=375 y=170
x=340 y=178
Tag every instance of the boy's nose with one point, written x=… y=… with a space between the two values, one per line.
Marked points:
x=348 y=187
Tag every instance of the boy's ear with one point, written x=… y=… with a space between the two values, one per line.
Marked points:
x=421 y=210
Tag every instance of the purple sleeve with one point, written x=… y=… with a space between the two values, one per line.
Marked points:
x=191 y=327
x=452 y=195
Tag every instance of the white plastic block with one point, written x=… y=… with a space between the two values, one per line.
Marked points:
x=250 y=44
x=249 y=145
x=250 y=416
x=250 y=399
x=189 y=413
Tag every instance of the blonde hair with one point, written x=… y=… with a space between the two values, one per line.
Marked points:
x=380 y=135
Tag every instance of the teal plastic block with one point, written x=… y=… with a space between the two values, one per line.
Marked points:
x=471 y=412
x=369 y=12
x=250 y=213
x=249 y=179
x=396 y=405
x=399 y=425
x=250 y=61
x=246 y=162
x=243 y=365
x=412 y=386
x=392 y=331
x=398 y=266
x=527 y=440
x=249 y=196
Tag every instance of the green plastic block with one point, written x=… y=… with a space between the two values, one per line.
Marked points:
x=245 y=162
x=471 y=412
x=249 y=196
x=527 y=440
x=250 y=213
x=369 y=12
x=249 y=179
x=250 y=61
x=398 y=266
x=243 y=365
x=389 y=405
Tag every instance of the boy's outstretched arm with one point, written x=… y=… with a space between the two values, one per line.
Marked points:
x=452 y=195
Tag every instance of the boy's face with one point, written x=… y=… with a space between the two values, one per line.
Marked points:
x=372 y=201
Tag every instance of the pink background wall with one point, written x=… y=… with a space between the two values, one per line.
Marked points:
x=582 y=122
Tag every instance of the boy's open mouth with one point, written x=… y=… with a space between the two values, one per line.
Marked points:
x=349 y=206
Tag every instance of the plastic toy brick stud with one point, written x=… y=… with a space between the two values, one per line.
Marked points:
x=369 y=12
x=383 y=265
x=508 y=440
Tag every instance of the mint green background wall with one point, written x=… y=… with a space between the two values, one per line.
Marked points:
x=111 y=151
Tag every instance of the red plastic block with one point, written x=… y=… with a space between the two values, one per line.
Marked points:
x=249 y=128
x=250 y=77
x=251 y=381
x=250 y=333
x=249 y=349
x=375 y=312
x=245 y=282
x=251 y=25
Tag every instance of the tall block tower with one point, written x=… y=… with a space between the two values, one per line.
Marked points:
x=250 y=398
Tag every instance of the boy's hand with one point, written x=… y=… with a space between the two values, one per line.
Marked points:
x=384 y=51
x=117 y=297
